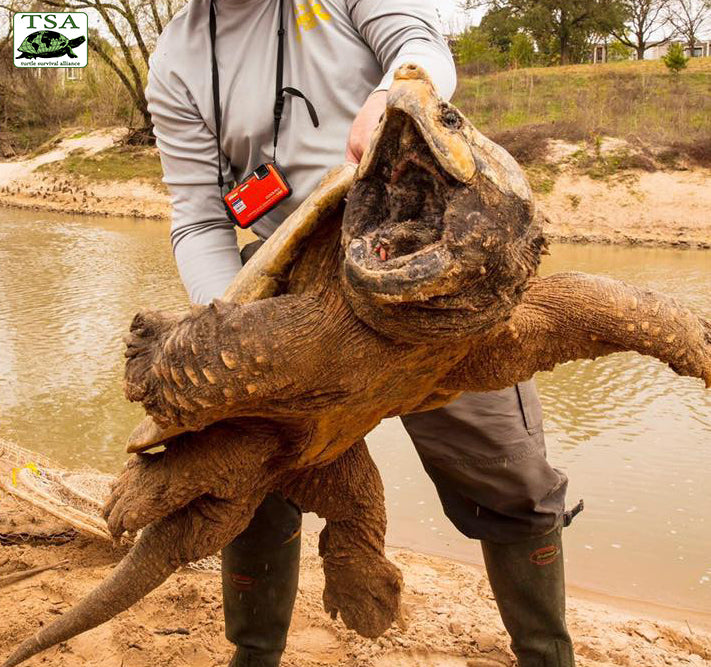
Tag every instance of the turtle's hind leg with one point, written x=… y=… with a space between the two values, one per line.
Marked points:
x=361 y=583
x=229 y=460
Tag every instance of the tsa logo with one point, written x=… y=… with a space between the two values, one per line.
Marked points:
x=56 y=39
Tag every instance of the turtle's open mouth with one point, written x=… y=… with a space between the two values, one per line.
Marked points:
x=438 y=235
x=395 y=217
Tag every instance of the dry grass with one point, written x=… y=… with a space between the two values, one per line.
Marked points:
x=638 y=101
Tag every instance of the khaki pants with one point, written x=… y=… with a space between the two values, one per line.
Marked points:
x=485 y=453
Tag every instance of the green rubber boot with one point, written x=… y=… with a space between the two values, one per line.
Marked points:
x=260 y=576
x=528 y=582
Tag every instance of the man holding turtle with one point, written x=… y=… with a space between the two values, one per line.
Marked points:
x=485 y=453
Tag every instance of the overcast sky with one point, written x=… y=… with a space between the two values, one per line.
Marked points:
x=454 y=18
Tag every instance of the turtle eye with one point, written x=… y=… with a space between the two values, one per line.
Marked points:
x=451 y=119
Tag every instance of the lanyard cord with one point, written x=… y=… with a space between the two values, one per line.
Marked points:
x=280 y=89
x=216 y=95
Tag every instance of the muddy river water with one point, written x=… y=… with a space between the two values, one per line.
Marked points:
x=634 y=439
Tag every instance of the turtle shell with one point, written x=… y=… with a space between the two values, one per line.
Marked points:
x=42 y=42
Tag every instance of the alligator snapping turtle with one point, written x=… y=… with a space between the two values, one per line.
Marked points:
x=422 y=286
x=48 y=44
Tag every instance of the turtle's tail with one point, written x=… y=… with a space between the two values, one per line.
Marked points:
x=149 y=563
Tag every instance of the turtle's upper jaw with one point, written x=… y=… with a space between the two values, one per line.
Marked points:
x=433 y=205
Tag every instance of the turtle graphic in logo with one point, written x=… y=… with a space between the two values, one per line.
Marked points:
x=48 y=44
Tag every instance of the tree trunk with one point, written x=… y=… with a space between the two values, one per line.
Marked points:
x=641 y=48
x=564 y=49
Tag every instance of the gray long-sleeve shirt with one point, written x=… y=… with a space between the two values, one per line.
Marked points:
x=337 y=53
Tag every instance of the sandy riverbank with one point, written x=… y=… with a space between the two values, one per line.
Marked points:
x=451 y=617
x=660 y=208
x=451 y=620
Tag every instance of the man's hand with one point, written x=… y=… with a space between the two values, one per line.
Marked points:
x=364 y=124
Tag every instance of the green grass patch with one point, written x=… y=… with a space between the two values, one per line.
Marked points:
x=114 y=164
x=541 y=177
x=638 y=100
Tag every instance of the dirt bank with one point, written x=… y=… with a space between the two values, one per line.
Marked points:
x=667 y=207
x=661 y=208
x=451 y=619
x=42 y=183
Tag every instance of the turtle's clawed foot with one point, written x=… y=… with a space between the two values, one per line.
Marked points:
x=364 y=590
x=147 y=371
x=144 y=492
x=221 y=462
x=692 y=356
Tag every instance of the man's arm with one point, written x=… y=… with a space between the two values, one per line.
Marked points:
x=398 y=32
x=405 y=31
x=203 y=240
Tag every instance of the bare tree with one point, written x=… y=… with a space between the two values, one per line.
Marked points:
x=7 y=9
x=133 y=26
x=689 y=17
x=645 y=19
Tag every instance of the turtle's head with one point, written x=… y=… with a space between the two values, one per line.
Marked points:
x=439 y=231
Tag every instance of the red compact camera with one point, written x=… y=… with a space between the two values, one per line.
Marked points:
x=256 y=195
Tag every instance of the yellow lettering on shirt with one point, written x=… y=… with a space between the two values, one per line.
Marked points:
x=309 y=15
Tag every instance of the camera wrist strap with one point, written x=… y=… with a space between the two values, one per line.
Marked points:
x=281 y=90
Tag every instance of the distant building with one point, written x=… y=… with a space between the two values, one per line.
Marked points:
x=600 y=52
x=701 y=49
x=73 y=73
x=61 y=75
x=603 y=52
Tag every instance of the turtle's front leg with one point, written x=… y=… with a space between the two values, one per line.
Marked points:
x=361 y=583
x=228 y=360
x=570 y=316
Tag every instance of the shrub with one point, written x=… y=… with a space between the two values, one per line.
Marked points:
x=522 y=53
x=617 y=52
x=475 y=53
x=675 y=59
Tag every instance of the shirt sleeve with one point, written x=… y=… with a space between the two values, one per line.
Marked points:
x=404 y=31
x=203 y=239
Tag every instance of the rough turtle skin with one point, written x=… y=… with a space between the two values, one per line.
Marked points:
x=423 y=285
x=48 y=44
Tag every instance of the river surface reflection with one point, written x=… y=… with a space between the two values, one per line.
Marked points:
x=634 y=439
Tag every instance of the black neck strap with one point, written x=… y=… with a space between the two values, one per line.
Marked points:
x=281 y=90
x=216 y=94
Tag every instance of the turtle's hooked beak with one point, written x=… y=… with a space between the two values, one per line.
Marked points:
x=413 y=95
x=427 y=191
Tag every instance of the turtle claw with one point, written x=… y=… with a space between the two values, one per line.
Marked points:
x=140 y=495
x=143 y=380
x=365 y=591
